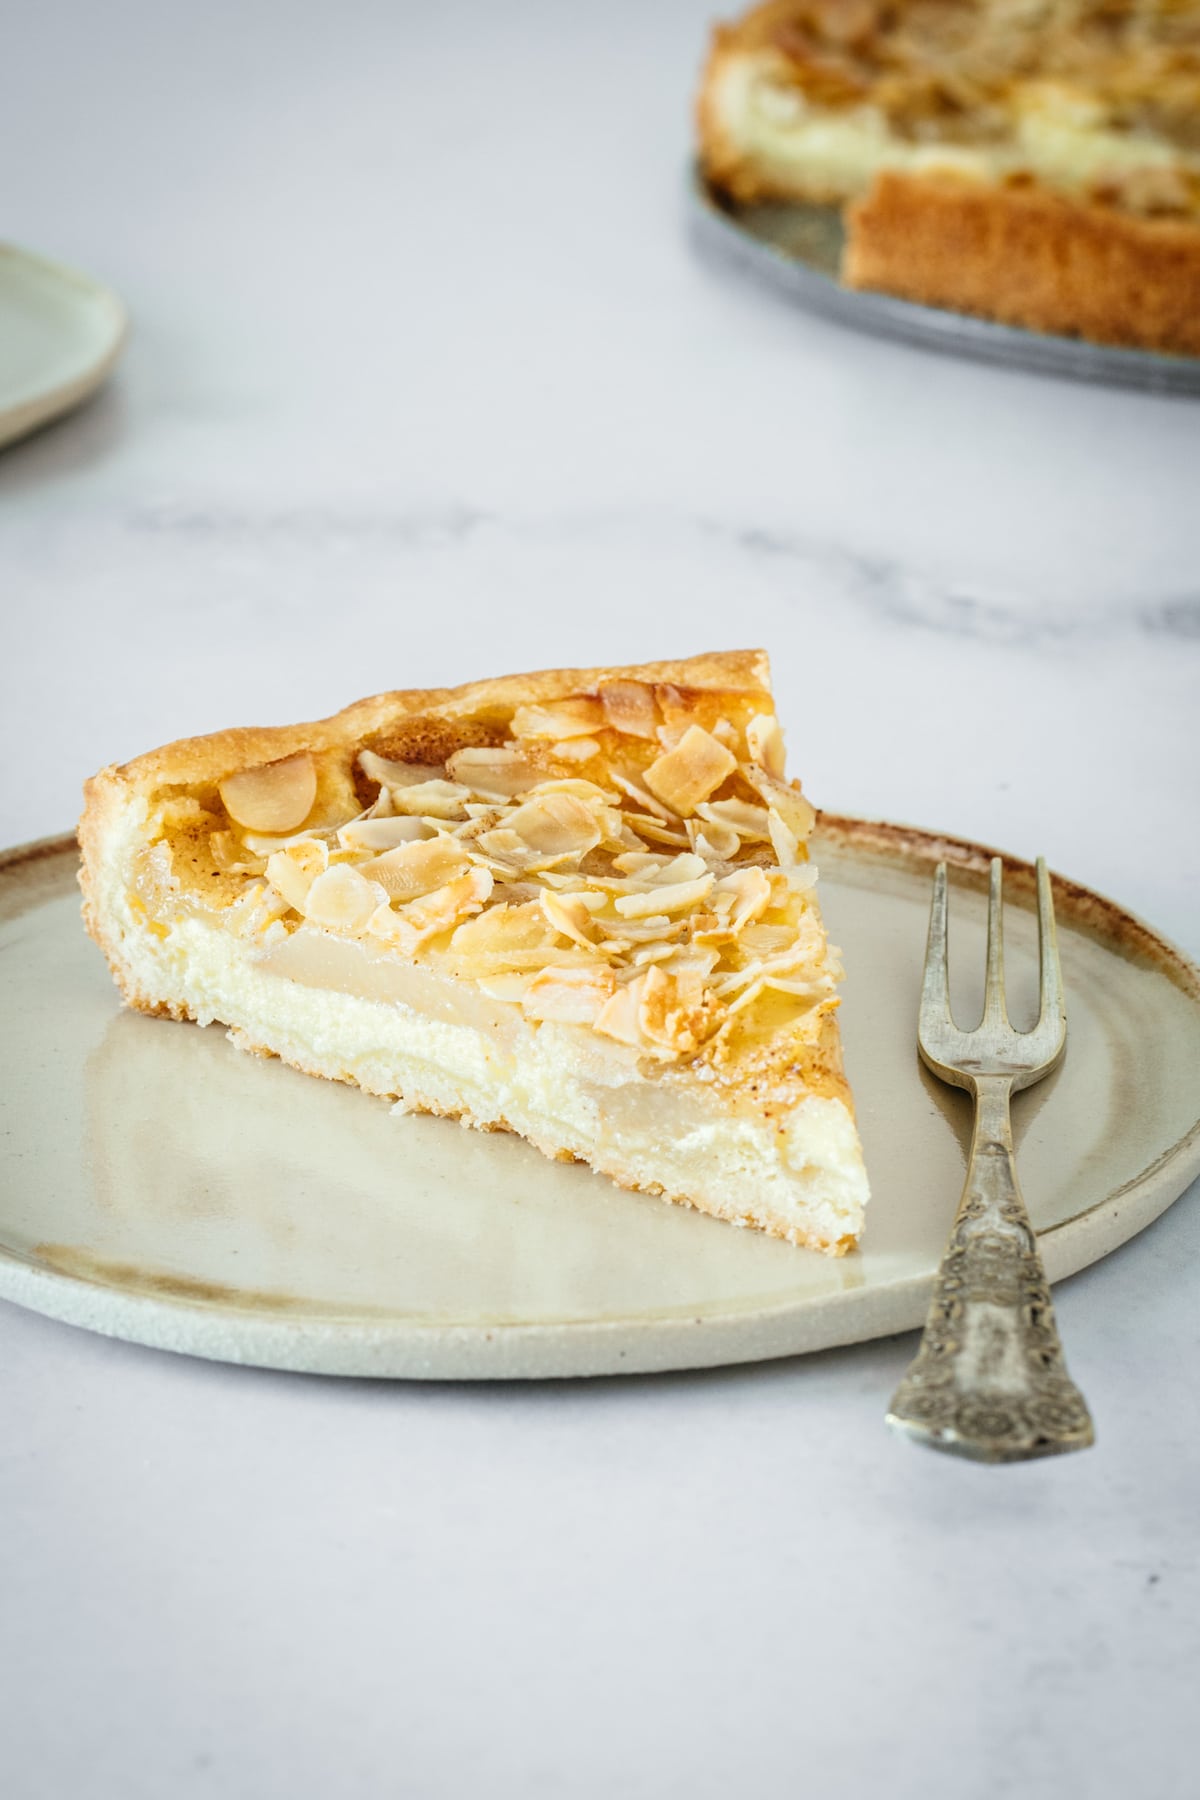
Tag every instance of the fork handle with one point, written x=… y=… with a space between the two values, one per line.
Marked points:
x=989 y=1380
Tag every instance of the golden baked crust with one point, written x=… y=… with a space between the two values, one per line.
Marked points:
x=1028 y=257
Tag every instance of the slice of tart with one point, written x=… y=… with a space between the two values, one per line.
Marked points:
x=576 y=905
x=1037 y=163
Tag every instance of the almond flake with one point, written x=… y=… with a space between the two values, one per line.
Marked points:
x=644 y=799
x=577 y=750
x=555 y=825
x=654 y=831
x=795 y=811
x=574 y=718
x=764 y=740
x=646 y=868
x=751 y=892
x=375 y=835
x=784 y=842
x=341 y=899
x=431 y=799
x=629 y=708
x=411 y=870
x=568 y=916
x=413 y=925
x=618 y=1017
x=668 y=1016
x=502 y=939
x=663 y=899
x=569 y=996
x=292 y=872
x=691 y=772
x=276 y=796
x=495 y=774
x=712 y=840
x=748 y=821
x=396 y=774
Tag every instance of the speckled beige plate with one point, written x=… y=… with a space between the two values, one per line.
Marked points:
x=158 y=1185
x=60 y=334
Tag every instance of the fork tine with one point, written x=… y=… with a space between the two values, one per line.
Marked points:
x=935 y=985
x=994 y=1009
x=1052 y=1014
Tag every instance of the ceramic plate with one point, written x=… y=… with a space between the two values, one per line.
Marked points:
x=799 y=248
x=156 y=1184
x=60 y=334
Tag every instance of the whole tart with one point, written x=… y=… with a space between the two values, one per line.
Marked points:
x=1032 y=161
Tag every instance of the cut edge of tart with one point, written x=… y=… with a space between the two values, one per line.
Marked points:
x=576 y=905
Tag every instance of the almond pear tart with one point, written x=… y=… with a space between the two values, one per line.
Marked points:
x=576 y=905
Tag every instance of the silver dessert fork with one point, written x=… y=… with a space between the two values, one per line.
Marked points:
x=989 y=1380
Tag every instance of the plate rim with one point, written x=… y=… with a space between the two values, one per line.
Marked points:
x=42 y=408
x=651 y=1343
x=934 y=327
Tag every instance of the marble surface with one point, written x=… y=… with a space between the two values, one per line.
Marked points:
x=427 y=380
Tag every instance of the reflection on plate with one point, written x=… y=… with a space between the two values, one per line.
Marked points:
x=60 y=334
x=158 y=1184
x=799 y=249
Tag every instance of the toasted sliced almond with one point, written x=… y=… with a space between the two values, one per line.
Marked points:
x=496 y=773
x=748 y=821
x=413 y=925
x=647 y=869
x=654 y=831
x=570 y=916
x=764 y=740
x=618 y=1017
x=431 y=799
x=637 y=791
x=657 y=928
x=411 y=870
x=577 y=750
x=569 y=996
x=689 y=773
x=795 y=811
x=501 y=939
x=670 y=1016
x=629 y=707
x=663 y=899
x=751 y=891
x=375 y=835
x=784 y=842
x=561 y=719
x=397 y=774
x=556 y=824
x=766 y=940
x=341 y=899
x=588 y=791
x=712 y=840
x=292 y=872
x=276 y=796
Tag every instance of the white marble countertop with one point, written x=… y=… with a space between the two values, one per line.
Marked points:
x=426 y=382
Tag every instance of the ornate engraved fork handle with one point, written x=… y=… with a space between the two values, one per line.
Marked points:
x=989 y=1380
